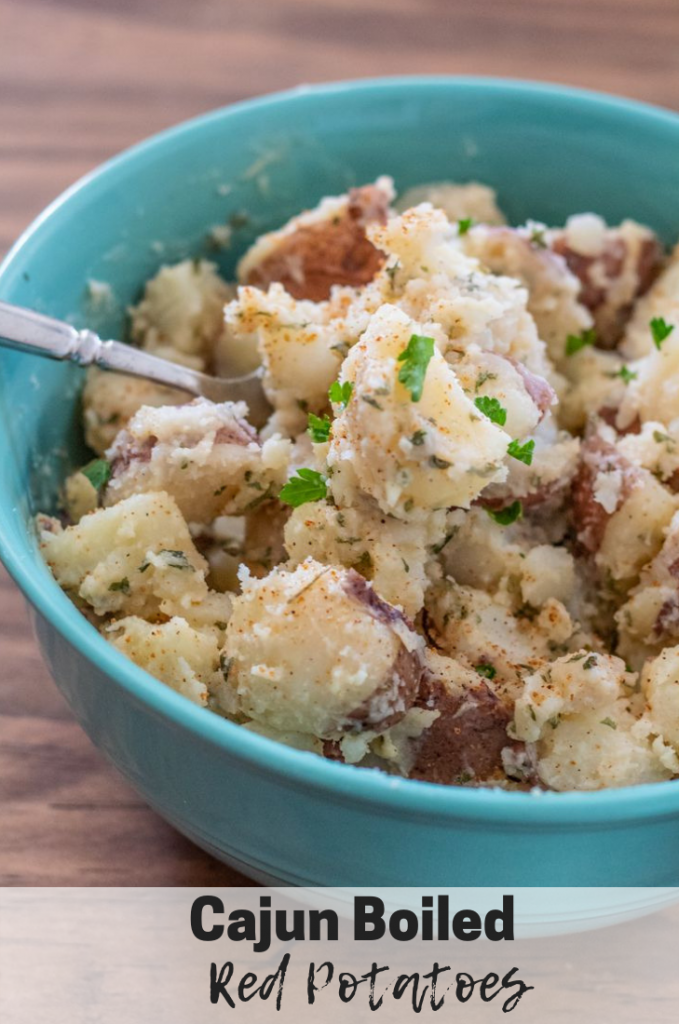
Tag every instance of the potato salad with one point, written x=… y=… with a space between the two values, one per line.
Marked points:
x=451 y=553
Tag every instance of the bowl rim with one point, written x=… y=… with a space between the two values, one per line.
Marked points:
x=393 y=795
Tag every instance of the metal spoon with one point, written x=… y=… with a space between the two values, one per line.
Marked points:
x=27 y=331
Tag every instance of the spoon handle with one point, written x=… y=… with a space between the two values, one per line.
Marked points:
x=32 y=332
x=27 y=331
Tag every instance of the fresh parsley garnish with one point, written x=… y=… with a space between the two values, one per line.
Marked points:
x=537 y=237
x=392 y=270
x=319 y=428
x=371 y=400
x=483 y=377
x=626 y=375
x=661 y=438
x=308 y=485
x=522 y=452
x=590 y=662
x=486 y=670
x=491 y=408
x=609 y=722
x=175 y=559
x=660 y=330
x=123 y=586
x=576 y=342
x=464 y=224
x=418 y=437
x=339 y=394
x=415 y=358
x=436 y=463
x=98 y=472
x=506 y=516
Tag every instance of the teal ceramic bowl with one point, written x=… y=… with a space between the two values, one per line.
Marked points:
x=279 y=814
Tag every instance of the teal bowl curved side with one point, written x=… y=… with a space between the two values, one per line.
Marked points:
x=279 y=814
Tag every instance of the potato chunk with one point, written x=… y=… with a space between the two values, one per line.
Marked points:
x=457 y=201
x=317 y=651
x=392 y=554
x=136 y=558
x=411 y=456
x=660 y=685
x=182 y=310
x=324 y=247
x=615 y=265
x=206 y=456
x=465 y=742
x=578 y=713
x=186 y=659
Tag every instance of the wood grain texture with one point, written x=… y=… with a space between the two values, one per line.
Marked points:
x=82 y=79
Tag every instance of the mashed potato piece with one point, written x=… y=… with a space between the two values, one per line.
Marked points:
x=451 y=553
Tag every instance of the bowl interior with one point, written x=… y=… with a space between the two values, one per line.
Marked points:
x=548 y=151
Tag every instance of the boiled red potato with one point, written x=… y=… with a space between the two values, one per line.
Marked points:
x=649 y=618
x=581 y=715
x=317 y=651
x=136 y=558
x=467 y=740
x=615 y=265
x=408 y=435
x=206 y=456
x=553 y=289
x=620 y=511
x=323 y=247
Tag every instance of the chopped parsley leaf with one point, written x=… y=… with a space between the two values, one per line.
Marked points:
x=319 y=428
x=522 y=452
x=660 y=330
x=308 y=485
x=339 y=394
x=486 y=670
x=370 y=400
x=436 y=549
x=415 y=358
x=537 y=237
x=609 y=722
x=464 y=224
x=418 y=437
x=626 y=375
x=392 y=271
x=506 y=516
x=175 y=559
x=123 y=586
x=483 y=377
x=98 y=472
x=576 y=342
x=590 y=662
x=491 y=408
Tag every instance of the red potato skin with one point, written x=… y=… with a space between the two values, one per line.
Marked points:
x=466 y=741
x=589 y=517
x=333 y=252
x=597 y=273
x=401 y=688
x=540 y=391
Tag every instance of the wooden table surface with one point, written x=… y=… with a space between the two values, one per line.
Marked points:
x=80 y=80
